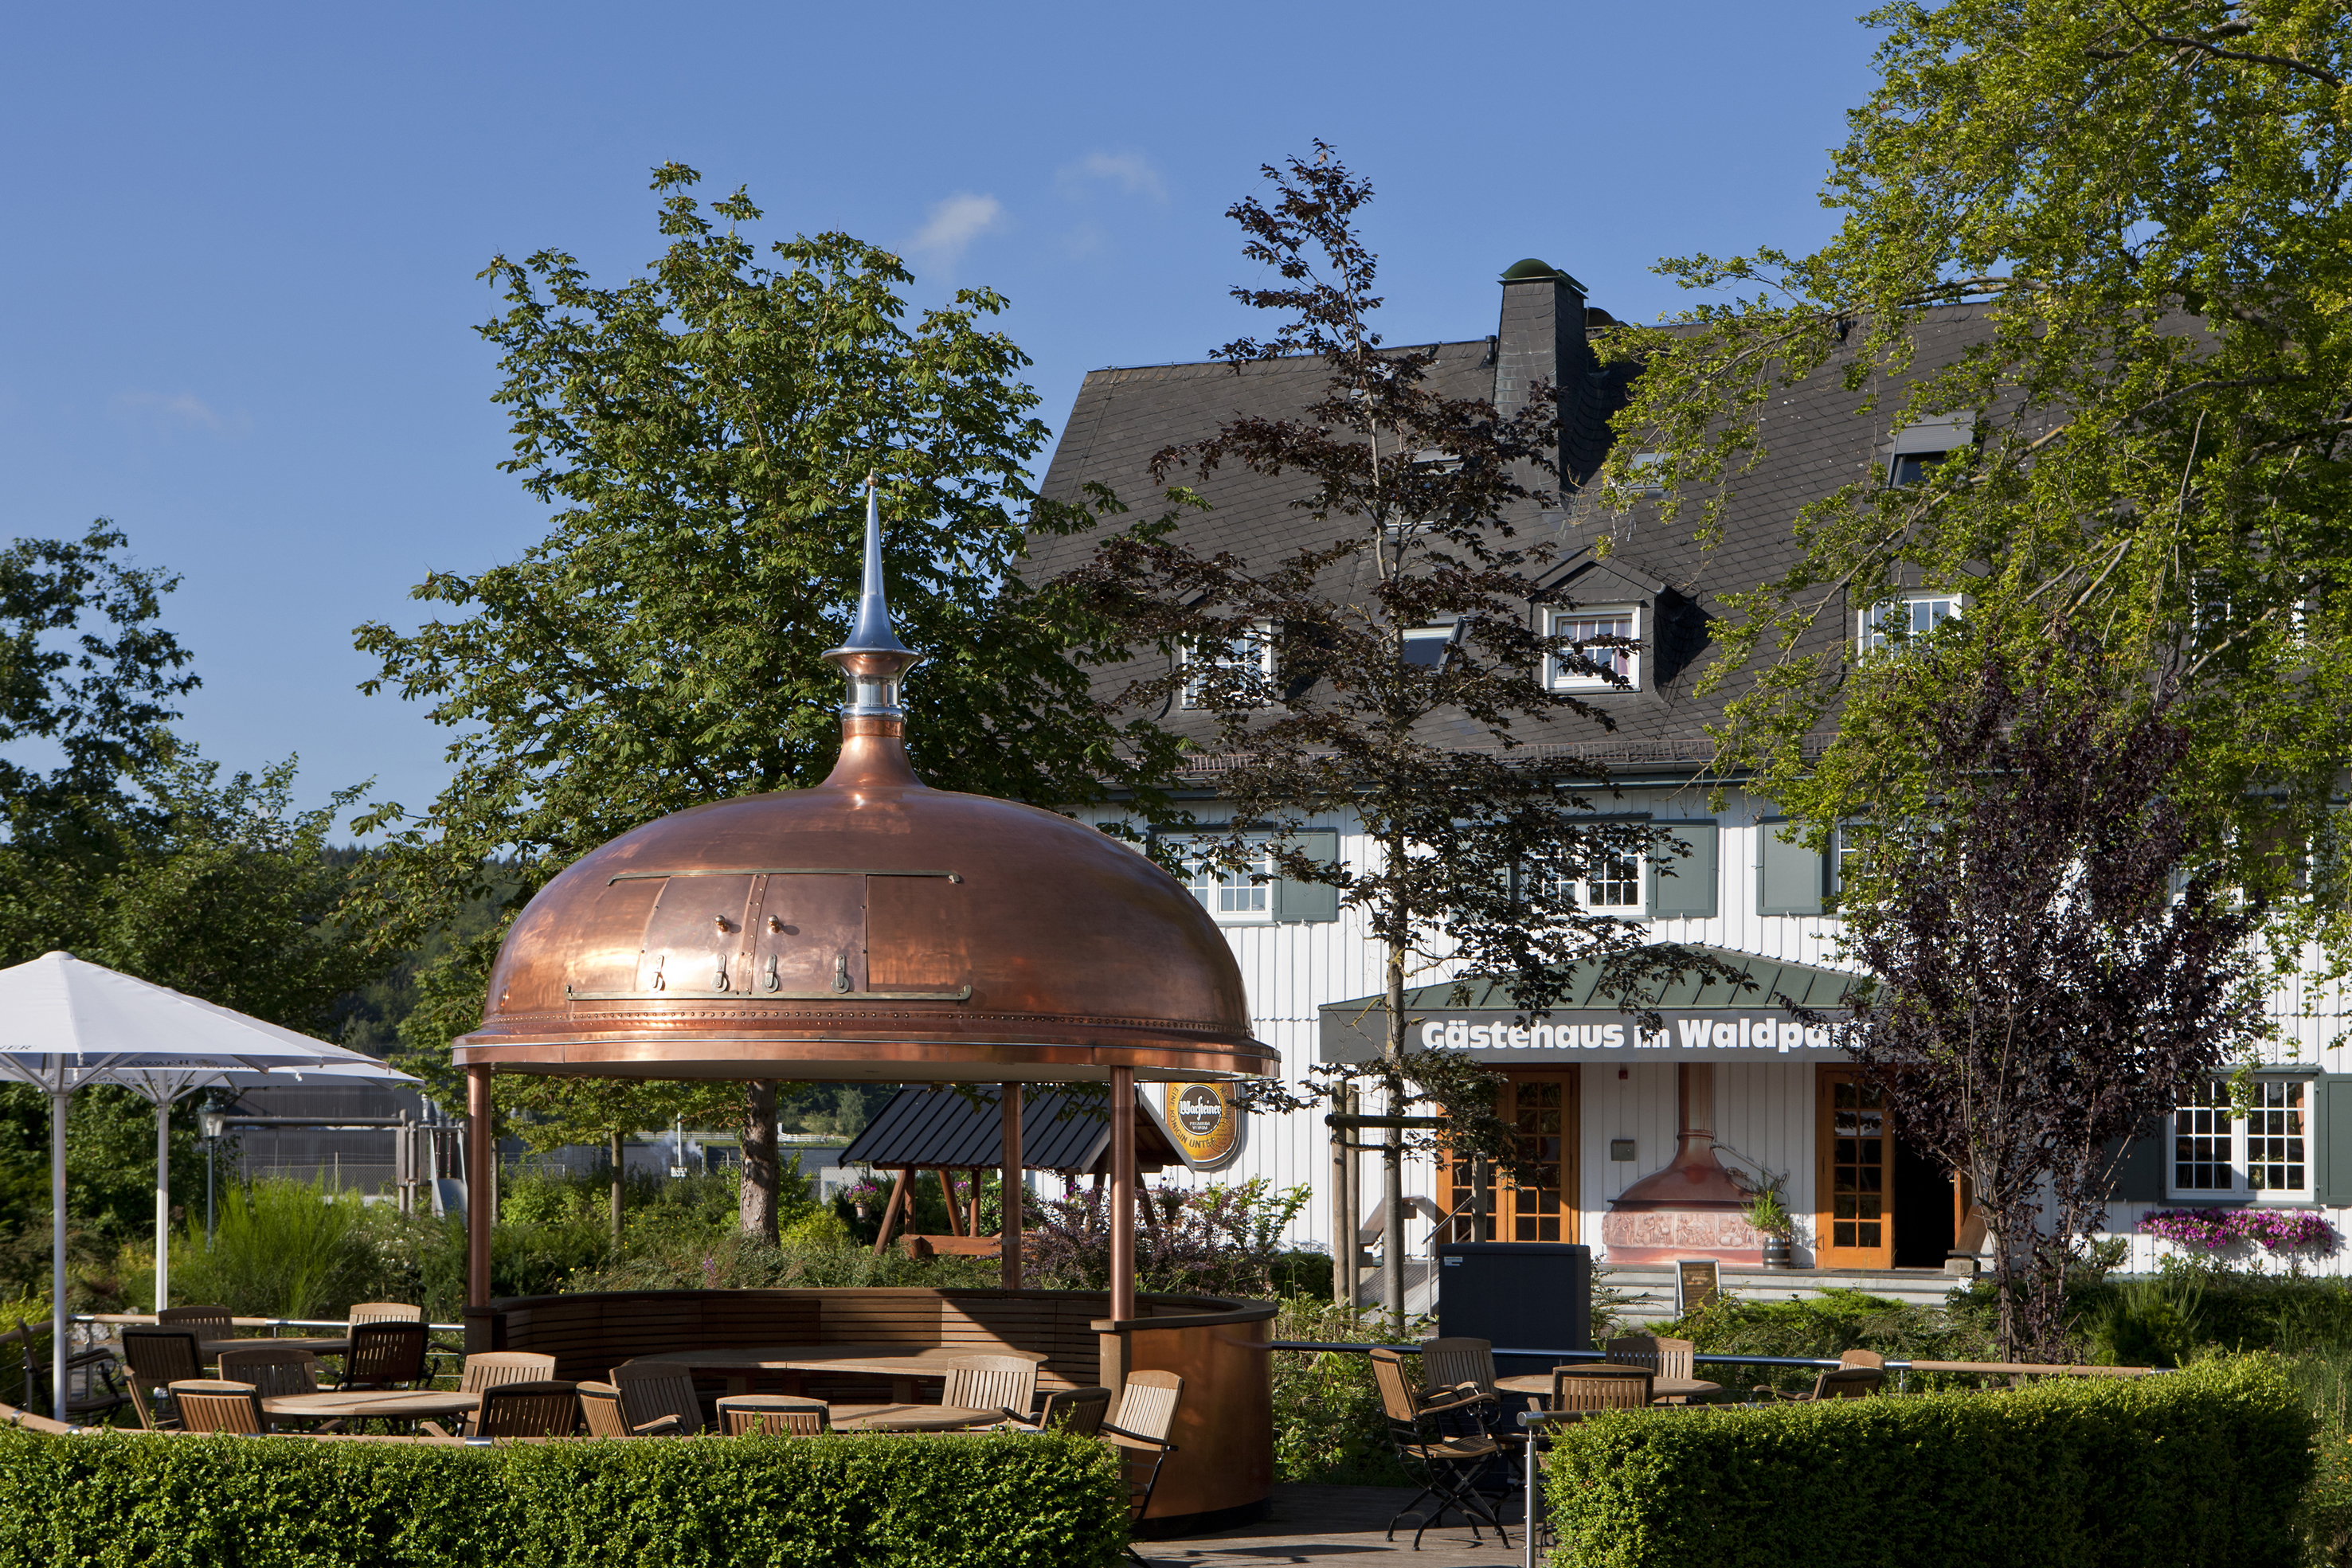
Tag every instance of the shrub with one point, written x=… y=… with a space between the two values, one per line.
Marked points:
x=1210 y=1240
x=1828 y=1325
x=2203 y=1467
x=1328 y=1426
x=279 y=1249
x=736 y=1262
x=981 y=1502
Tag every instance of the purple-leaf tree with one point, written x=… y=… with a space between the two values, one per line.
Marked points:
x=2042 y=976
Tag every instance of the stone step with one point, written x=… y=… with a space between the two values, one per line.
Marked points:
x=1649 y=1292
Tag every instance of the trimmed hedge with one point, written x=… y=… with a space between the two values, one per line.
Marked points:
x=2204 y=1467
x=132 y=1502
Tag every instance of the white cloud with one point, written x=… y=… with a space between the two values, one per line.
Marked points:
x=1130 y=171
x=955 y=222
x=181 y=411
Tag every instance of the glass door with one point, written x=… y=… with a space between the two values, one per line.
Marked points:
x=1854 y=1225
x=1540 y=1204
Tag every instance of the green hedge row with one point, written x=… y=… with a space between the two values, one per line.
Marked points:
x=2204 y=1467
x=229 y=1502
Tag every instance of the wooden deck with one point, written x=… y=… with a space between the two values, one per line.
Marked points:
x=1338 y=1527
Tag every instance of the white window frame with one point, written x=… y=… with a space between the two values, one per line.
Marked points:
x=1255 y=646
x=1232 y=898
x=1628 y=661
x=2281 y=1121
x=1631 y=873
x=1869 y=636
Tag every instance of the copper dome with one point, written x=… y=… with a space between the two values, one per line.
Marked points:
x=869 y=928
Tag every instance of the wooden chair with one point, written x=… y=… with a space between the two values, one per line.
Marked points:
x=1861 y=1358
x=777 y=1415
x=1856 y=1382
x=1077 y=1411
x=1663 y=1357
x=157 y=1358
x=1457 y=1365
x=1598 y=1385
x=545 y=1407
x=272 y=1370
x=1447 y=1467
x=208 y=1322
x=386 y=1313
x=494 y=1368
x=656 y=1392
x=599 y=1411
x=992 y=1382
x=1147 y=1413
x=220 y=1406
x=386 y=1355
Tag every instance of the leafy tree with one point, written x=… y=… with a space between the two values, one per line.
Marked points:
x=2143 y=206
x=2039 y=989
x=702 y=431
x=1478 y=848
x=133 y=852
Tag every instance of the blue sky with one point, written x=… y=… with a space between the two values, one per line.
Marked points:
x=242 y=241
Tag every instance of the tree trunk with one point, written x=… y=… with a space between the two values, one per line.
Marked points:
x=756 y=1204
x=615 y=1152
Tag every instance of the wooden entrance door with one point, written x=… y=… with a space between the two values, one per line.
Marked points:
x=1542 y=1107
x=1853 y=1227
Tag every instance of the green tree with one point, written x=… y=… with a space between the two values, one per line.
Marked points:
x=2146 y=204
x=1479 y=851
x=703 y=432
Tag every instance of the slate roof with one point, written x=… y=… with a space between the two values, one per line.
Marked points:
x=1815 y=440
x=935 y=1129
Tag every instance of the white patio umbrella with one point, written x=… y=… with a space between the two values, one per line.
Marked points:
x=66 y=1024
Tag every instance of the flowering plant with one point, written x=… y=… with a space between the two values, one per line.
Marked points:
x=2278 y=1230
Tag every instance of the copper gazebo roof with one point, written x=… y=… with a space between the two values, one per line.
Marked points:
x=869 y=929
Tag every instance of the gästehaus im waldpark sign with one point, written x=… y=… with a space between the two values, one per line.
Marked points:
x=1602 y=1112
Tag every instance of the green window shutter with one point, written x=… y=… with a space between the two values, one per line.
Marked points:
x=1310 y=901
x=1788 y=876
x=1686 y=888
x=2139 y=1175
x=2335 y=1107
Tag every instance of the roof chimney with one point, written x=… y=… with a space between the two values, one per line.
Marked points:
x=1542 y=340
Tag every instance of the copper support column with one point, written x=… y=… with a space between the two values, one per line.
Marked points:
x=481 y=1192
x=1009 y=1190
x=1122 y=1193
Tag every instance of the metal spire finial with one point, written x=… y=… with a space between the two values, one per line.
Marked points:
x=873 y=658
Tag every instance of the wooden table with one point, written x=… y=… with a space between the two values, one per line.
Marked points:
x=791 y=1363
x=213 y=1347
x=1539 y=1385
x=372 y=1405
x=909 y=1418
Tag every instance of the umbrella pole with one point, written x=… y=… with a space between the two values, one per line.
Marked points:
x=57 y=1257
x=163 y=1204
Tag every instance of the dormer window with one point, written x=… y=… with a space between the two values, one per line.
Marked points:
x=1911 y=467
x=1238 y=671
x=1913 y=615
x=1911 y=458
x=1604 y=638
x=1425 y=647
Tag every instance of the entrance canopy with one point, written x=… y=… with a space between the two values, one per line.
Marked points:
x=1704 y=1020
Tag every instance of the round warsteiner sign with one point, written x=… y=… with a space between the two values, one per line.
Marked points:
x=1205 y=1121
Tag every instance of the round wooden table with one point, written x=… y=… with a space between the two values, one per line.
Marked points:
x=371 y=1405
x=790 y=1365
x=212 y=1348
x=909 y=1418
x=1539 y=1385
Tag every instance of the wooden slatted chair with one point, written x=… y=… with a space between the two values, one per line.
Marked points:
x=207 y=1406
x=384 y=1312
x=1663 y=1357
x=654 y=1392
x=599 y=1411
x=1147 y=1413
x=207 y=1322
x=992 y=1382
x=157 y=1358
x=1861 y=1358
x=493 y=1369
x=1447 y=1467
x=776 y=1415
x=1839 y=1383
x=1598 y=1385
x=1077 y=1411
x=542 y=1407
x=386 y=1355
x=1457 y=1365
x=274 y=1370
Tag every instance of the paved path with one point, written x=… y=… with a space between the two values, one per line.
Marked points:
x=1339 y=1527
